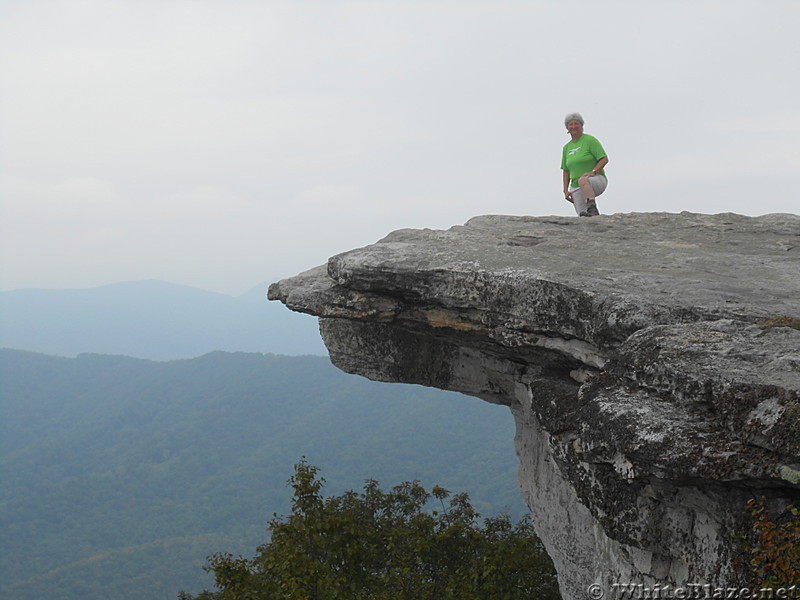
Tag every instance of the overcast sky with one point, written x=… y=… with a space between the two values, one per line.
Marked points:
x=222 y=143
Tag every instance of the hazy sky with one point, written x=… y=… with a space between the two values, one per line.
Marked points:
x=222 y=143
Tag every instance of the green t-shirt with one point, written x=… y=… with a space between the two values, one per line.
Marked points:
x=581 y=157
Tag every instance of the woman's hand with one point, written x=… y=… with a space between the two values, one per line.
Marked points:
x=568 y=196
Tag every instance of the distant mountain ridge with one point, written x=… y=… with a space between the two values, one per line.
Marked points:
x=154 y=320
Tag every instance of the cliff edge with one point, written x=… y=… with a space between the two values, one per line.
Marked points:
x=651 y=393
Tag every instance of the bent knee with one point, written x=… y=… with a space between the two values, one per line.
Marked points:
x=586 y=180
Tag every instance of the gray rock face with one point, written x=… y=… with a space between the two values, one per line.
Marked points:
x=650 y=404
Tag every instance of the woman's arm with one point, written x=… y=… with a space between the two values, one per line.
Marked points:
x=567 y=195
x=600 y=165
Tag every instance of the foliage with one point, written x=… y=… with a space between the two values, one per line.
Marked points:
x=385 y=545
x=781 y=321
x=774 y=545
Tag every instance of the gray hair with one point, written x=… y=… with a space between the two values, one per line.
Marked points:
x=573 y=117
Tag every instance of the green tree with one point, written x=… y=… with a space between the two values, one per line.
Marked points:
x=385 y=546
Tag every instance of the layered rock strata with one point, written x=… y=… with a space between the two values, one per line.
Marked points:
x=652 y=397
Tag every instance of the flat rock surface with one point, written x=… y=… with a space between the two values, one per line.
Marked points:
x=726 y=262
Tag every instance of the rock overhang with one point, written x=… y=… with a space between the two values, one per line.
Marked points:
x=595 y=280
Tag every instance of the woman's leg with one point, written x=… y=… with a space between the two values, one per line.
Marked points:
x=590 y=187
x=578 y=200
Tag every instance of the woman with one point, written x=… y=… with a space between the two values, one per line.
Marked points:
x=582 y=162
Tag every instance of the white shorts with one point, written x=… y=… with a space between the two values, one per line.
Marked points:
x=599 y=185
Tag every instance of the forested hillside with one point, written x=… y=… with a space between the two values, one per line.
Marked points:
x=119 y=475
